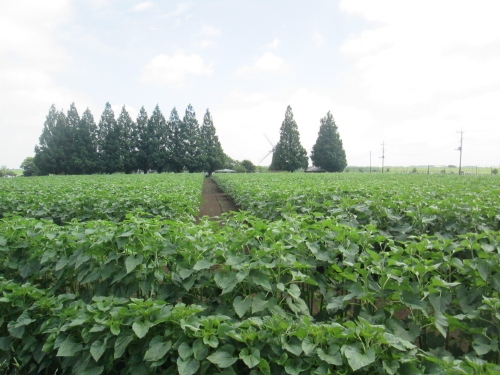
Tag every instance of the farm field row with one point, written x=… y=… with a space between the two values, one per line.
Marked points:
x=301 y=292
x=400 y=205
x=100 y=197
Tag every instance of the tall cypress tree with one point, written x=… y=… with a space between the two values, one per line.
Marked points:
x=62 y=145
x=44 y=152
x=328 y=152
x=175 y=142
x=87 y=140
x=74 y=163
x=157 y=133
x=127 y=142
x=143 y=140
x=190 y=134
x=289 y=155
x=109 y=142
x=212 y=155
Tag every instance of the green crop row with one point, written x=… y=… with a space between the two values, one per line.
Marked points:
x=101 y=197
x=400 y=205
x=299 y=295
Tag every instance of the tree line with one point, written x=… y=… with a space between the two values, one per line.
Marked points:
x=327 y=153
x=70 y=144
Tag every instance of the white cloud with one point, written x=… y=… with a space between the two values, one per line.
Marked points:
x=274 y=43
x=142 y=6
x=268 y=62
x=318 y=39
x=411 y=54
x=179 y=9
x=207 y=43
x=210 y=31
x=173 y=70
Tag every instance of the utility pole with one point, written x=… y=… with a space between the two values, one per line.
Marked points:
x=383 y=155
x=460 y=149
x=370 y=162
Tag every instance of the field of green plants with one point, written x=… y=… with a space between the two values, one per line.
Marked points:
x=318 y=274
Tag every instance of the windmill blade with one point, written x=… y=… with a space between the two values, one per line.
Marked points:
x=269 y=153
x=271 y=143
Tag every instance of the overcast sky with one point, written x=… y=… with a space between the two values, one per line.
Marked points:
x=411 y=74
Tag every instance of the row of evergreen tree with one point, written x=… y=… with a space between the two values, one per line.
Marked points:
x=70 y=144
x=327 y=153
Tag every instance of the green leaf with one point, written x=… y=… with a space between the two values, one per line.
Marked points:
x=264 y=367
x=121 y=344
x=223 y=357
x=226 y=281
x=333 y=356
x=133 y=261
x=141 y=328
x=203 y=264
x=481 y=345
x=251 y=358
x=262 y=279
x=211 y=340
x=294 y=346
x=356 y=358
x=187 y=367
x=185 y=351
x=258 y=303
x=308 y=345
x=241 y=305
x=157 y=350
x=68 y=348
x=200 y=350
x=97 y=349
x=294 y=291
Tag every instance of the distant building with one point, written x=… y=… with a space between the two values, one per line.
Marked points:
x=314 y=170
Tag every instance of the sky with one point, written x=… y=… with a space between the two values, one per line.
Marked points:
x=403 y=79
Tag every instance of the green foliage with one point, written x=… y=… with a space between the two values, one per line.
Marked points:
x=6 y=172
x=110 y=142
x=328 y=152
x=289 y=155
x=189 y=136
x=249 y=166
x=339 y=282
x=212 y=155
x=28 y=166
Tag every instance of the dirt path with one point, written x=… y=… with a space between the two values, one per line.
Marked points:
x=214 y=201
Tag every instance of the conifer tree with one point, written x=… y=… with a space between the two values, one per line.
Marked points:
x=157 y=133
x=328 y=152
x=175 y=143
x=143 y=140
x=45 y=151
x=127 y=140
x=87 y=140
x=109 y=142
x=289 y=155
x=190 y=136
x=73 y=163
x=212 y=155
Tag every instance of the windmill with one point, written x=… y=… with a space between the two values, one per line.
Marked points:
x=270 y=152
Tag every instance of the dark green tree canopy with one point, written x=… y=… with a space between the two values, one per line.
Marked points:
x=190 y=137
x=289 y=155
x=328 y=152
x=212 y=155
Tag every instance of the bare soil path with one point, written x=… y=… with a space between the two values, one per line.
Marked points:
x=214 y=202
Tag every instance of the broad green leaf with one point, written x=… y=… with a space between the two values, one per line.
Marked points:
x=260 y=278
x=293 y=345
x=187 y=367
x=69 y=348
x=356 y=358
x=185 y=351
x=121 y=344
x=308 y=345
x=211 y=340
x=250 y=357
x=141 y=328
x=241 y=306
x=294 y=291
x=157 y=350
x=223 y=357
x=97 y=349
x=133 y=261
x=203 y=264
x=264 y=367
x=200 y=350
x=258 y=303
x=333 y=356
